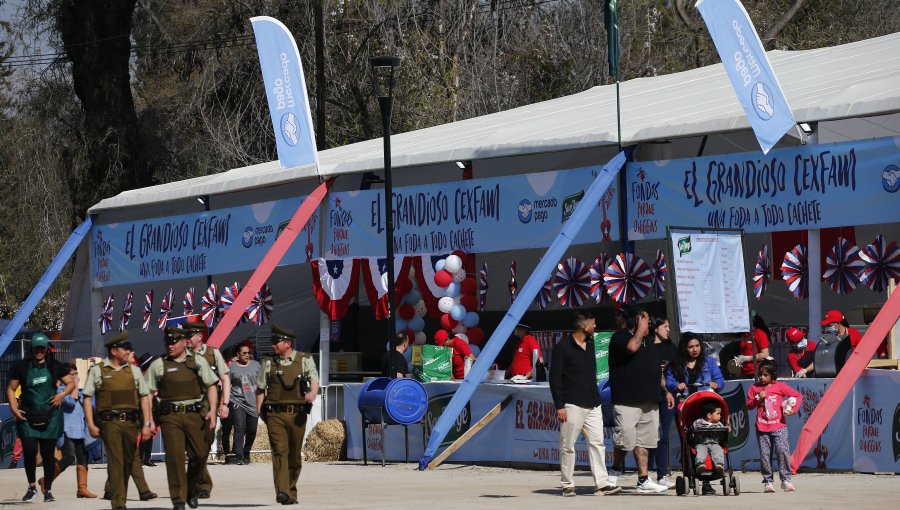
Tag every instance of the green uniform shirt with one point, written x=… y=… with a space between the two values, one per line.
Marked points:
x=221 y=367
x=309 y=369
x=94 y=380
x=156 y=369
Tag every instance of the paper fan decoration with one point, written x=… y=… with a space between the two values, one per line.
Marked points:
x=105 y=319
x=482 y=287
x=261 y=306
x=842 y=266
x=598 y=286
x=659 y=275
x=512 y=282
x=794 y=270
x=572 y=282
x=762 y=273
x=880 y=263
x=165 y=308
x=628 y=278
x=229 y=295
x=126 y=311
x=189 y=302
x=545 y=295
x=148 y=311
x=209 y=306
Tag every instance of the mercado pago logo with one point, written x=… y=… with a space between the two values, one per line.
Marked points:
x=537 y=209
x=890 y=178
x=436 y=406
x=869 y=420
x=290 y=128
x=738 y=417
x=257 y=235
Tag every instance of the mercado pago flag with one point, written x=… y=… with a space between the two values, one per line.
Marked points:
x=282 y=73
x=748 y=69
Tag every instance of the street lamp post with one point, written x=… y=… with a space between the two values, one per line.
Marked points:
x=383 y=69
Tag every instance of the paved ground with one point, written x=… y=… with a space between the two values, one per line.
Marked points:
x=351 y=485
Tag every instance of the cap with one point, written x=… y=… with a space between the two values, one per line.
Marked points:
x=173 y=333
x=279 y=333
x=794 y=335
x=118 y=340
x=832 y=316
x=524 y=323
x=192 y=328
x=145 y=360
x=39 y=340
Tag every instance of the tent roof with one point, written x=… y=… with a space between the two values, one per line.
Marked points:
x=852 y=80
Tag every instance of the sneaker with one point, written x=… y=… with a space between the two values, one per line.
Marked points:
x=769 y=487
x=568 y=492
x=720 y=469
x=613 y=476
x=700 y=469
x=787 y=486
x=48 y=497
x=664 y=480
x=609 y=490
x=30 y=495
x=650 y=487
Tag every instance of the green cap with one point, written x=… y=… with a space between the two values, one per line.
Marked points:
x=279 y=333
x=173 y=333
x=39 y=340
x=117 y=340
x=192 y=328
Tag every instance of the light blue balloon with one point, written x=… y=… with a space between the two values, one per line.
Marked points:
x=452 y=290
x=439 y=265
x=416 y=324
x=470 y=320
x=401 y=324
x=475 y=350
x=458 y=312
x=407 y=355
x=412 y=297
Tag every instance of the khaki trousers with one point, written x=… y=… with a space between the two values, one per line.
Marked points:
x=137 y=474
x=183 y=432
x=206 y=483
x=286 y=441
x=581 y=420
x=120 y=440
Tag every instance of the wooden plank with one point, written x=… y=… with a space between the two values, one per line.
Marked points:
x=493 y=413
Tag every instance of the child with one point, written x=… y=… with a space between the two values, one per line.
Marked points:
x=768 y=396
x=707 y=431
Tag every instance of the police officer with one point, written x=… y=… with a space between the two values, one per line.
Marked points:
x=181 y=380
x=197 y=344
x=123 y=409
x=286 y=387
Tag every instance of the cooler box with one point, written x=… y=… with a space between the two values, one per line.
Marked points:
x=432 y=363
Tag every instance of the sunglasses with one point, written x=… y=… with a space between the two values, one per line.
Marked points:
x=244 y=353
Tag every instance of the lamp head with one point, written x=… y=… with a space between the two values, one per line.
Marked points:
x=383 y=74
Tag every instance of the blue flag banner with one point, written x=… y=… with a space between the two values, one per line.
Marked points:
x=797 y=188
x=286 y=91
x=605 y=178
x=43 y=285
x=748 y=69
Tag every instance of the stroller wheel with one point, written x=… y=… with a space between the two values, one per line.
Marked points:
x=735 y=485
x=697 y=488
x=726 y=486
x=680 y=488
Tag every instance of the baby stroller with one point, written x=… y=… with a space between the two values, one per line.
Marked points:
x=689 y=410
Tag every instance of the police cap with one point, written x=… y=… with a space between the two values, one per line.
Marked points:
x=117 y=341
x=193 y=328
x=173 y=333
x=279 y=333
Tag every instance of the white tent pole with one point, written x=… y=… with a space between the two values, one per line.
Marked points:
x=815 y=265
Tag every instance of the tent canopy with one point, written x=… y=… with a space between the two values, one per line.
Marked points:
x=852 y=80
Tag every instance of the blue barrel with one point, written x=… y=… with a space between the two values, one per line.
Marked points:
x=606 y=402
x=404 y=401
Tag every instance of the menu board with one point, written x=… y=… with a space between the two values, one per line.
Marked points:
x=710 y=283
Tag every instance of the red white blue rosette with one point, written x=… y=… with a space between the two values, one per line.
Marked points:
x=659 y=275
x=762 y=272
x=188 y=302
x=261 y=306
x=795 y=271
x=209 y=306
x=842 y=266
x=628 y=278
x=512 y=282
x=598 y=285
x=572 y=282
x=545 y=295
x=882 y=261
x=165 y=308
x=105 y=319
x=148 y=311
x=126 y=311
x=229 y=295
x=482 y=287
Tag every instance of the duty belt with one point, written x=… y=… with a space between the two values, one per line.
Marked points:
x=168 y=408
x=284 y=408
x=120 y=415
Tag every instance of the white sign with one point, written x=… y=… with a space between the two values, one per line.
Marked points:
x=709 y=281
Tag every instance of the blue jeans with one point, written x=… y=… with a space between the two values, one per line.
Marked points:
x=659 y=456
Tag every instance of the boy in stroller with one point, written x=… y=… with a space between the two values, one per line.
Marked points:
x=708 y=430
x=703 y=429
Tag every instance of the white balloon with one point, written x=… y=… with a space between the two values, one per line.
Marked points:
x=445 y=304
x=453 y=263
x=421 y=308
x=463 y=337
x=459 y=276
x=421 y=337
x=459 y=328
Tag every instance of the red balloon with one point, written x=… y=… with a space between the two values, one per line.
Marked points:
x=476 y=335
x=459 y=253
x=469 y=303
x=409 y=334
x=440 y=337
x=469 y=287
x=403 y=286
x=443 y=278
x=448 y=322
x=406 y=312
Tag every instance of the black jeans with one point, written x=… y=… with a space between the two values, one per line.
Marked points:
x=47 y=447
x=146 y=450
x=244 y=432
x=72 y=452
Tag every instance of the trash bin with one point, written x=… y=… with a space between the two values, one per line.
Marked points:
x=398 y=401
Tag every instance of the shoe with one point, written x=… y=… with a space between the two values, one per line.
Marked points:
x=700 y=469
x=281 y=497
x=147 y=496
x=290 y=501
x=787 y=486
x=720 y=469
x=707 y=489
x=609 y=490
x=246 y=460
x=178 y=506
x=613 y=476
x=229 y=460
x=107 y=496
x=769 y=487
x=568 y=492
x=148 y=463
x=203 y=495
x=30 y=495
x=664 y=480
x=650 y=487
x=48 y=497
x=192 y=501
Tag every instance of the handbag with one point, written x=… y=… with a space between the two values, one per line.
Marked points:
x=39 y=419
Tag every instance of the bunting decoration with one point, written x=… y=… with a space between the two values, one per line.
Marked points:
x=598 y=286
x=572 y=282
x=334 y=285
x=165 y=308
x=189 y=302
x=795 y=271
x=628 y=278
x=105 y=319
x=762 y=273
x=659 y=276
x=148 y=311
x=842 y=266
x=881 y=262
x=209 y=306
x=545 y=295
x=512 y=282
x=260 y=309
x=229 y=295
x=375 y=282
x=126 y=311
x=482 y=287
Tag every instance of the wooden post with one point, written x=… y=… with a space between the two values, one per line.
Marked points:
x=493 y=413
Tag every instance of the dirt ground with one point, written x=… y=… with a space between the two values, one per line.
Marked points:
x=351 y=485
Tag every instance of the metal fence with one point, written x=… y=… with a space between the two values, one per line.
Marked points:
x=66 y=350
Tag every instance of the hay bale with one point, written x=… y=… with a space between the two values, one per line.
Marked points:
x=327 y=442
x=261 y=443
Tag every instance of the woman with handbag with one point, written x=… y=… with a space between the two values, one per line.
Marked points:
x=38 y=414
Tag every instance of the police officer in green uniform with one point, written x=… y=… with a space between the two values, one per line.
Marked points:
x=123 y=410
x=182 y=379
x=197 y=344
x=286 y=387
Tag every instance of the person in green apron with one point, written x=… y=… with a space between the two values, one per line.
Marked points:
x=38 y=415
